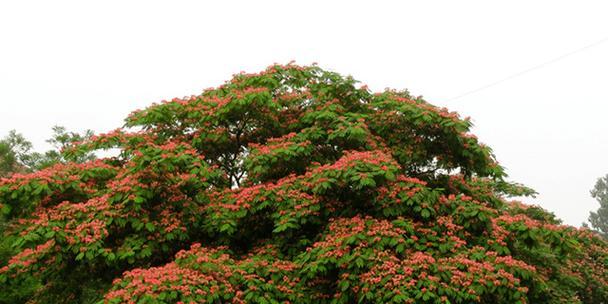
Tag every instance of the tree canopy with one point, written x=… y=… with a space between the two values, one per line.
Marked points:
x=295 y=184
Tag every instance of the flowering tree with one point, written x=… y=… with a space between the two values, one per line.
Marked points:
x=291 y=185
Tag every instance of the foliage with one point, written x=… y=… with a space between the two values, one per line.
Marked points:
x=599 y=218
x=16 y=155
x=298 y=185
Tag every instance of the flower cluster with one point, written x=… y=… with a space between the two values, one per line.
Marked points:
x=471 y=276
x=205 y=275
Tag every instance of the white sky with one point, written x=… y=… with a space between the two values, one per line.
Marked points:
x=85 y=64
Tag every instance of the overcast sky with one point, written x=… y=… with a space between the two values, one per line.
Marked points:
x=85 y=64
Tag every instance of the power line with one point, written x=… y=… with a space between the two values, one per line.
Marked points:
x=536 y=67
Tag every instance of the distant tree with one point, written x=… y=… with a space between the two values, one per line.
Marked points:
x=61 y=140
x=599 y=219
x=16 y=155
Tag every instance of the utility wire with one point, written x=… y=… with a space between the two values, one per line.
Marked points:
x=536 y=67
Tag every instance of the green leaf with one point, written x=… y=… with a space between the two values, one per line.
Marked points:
x=150 y=227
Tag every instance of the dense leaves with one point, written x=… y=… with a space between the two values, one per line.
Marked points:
x=291 y=185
